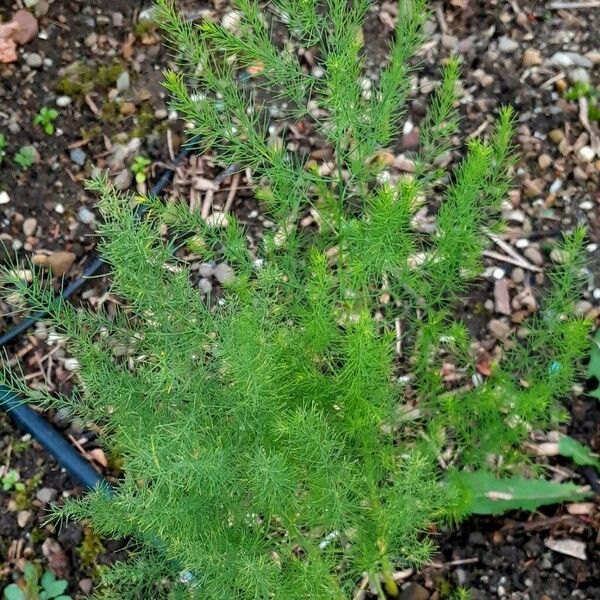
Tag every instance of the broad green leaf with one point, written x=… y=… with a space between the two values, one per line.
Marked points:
x=14 y=592
x=48 y=578
x=55 y=588
x=580 y=454
x=63 y=598
x=491 y=496
x=593 y=369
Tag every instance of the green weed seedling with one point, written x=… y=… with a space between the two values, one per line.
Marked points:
x=139 y=167
x=592 y=94
x=301 y=432
x=25 y=157
x=29 y=587
x=11 y=480
x=45 y=118
x=3 y=146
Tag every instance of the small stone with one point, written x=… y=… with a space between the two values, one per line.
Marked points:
x=531 y=57
x=593 y=56
x=206 y=270
x=449 y=41
x=161 y=113
x=117 y=19
x=556 y=135
x=224 y=273
x=231 y=20
x=414 y=591
x=533 y=187
x=507 y=45
x=4 y=198
x=91 y=39
x=502 y=297
x=532 y=254
x=586 y=154
x=579 y=75
x=123 y=180
x=23 y=517
x=78 y=156
x=86 y=585
x=544 y=161
x=63 y=101
x=127 y=109
x=123 y=81
x=217 y=219
x=58 y=262
x=517 y=275
x=498 y=329
x=34 y=60
x=555 y=186
x=558 y=256
x=579 y=174
x=63 y=416
x=561 y=85
x=564 y=60
x=46 y=494
x=205 y=286
x=582 y=308
x=85 y=215
x=29 y=227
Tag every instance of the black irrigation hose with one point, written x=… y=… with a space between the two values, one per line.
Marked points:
x=29 y=420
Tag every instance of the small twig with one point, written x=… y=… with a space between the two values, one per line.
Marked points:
x=207 y=204
x=540 y=523
x=574 y=5
x=439 y=13
x=170 y=145
x=479 y=130
x=512 y=261
x=510 y=250
x=235 y=180
x=92 y=105
x=584 y=120
x=58 y=24
x=25 y=350
x=550 y=81
x=7 y=461
x=398 y=327
x=454 y=563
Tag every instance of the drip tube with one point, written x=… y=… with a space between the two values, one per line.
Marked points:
x=30 y=421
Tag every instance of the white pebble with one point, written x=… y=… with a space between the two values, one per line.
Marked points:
x=556 y=185
x=591 y=248
x=217 y=219
x=4 y=198
x=596 y=294
x=522 y=243
x=71 y=364
x=586 y=154
x=63 y=101
x=498 y=273
x=586 y=205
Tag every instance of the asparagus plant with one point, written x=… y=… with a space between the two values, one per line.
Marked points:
x=287 y=440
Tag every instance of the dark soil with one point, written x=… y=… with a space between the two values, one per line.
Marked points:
x=495 y=557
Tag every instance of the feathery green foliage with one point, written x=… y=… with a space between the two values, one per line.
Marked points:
x=287 y=441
